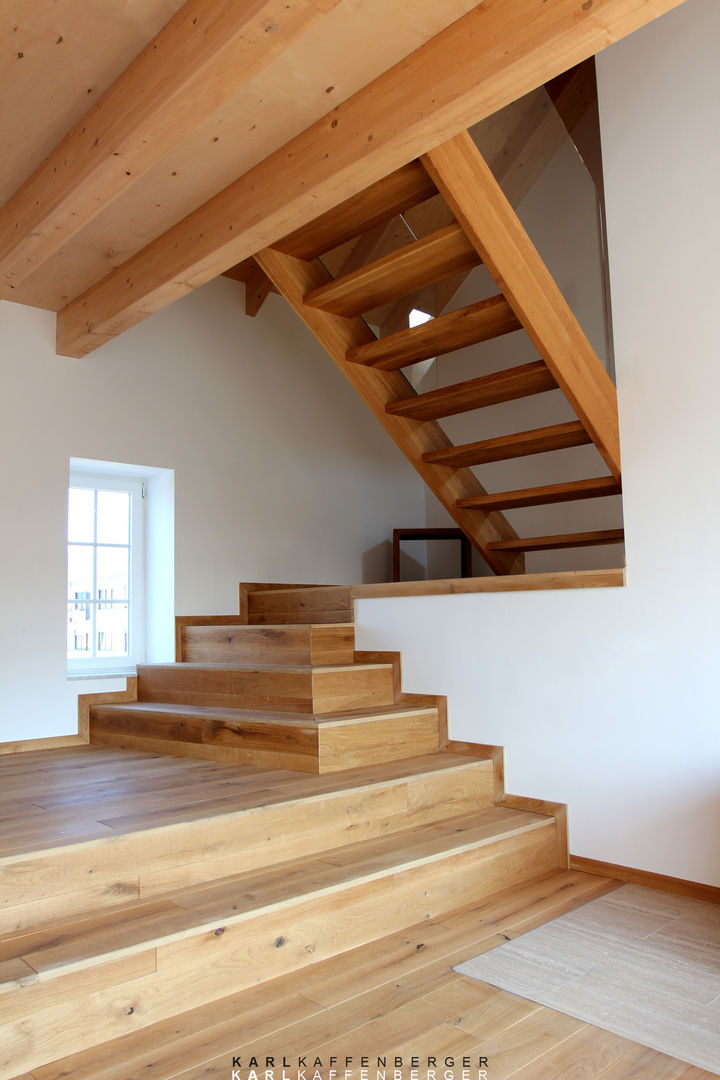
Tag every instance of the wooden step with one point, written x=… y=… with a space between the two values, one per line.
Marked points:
x=373 y=984
x=306 y=742
x=520 y=444
x=170 y=822
x=468 y=326
x=84 y=982
x=443 y=253
x=291 y=688
x=380 y=202
x=565 y=540
x=283 y=644
x=298 y=604
x=517 y=382
x=542 y=496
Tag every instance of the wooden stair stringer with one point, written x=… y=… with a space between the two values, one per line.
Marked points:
x=466 y=182
x=293 y=279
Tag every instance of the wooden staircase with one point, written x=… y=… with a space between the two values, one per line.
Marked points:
x=181 y=902
x=485 y=230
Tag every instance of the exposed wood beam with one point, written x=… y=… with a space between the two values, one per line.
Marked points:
x=494 y=228
x=207 y=52
x=257 y=289
x=294 y=278
x=499 y=51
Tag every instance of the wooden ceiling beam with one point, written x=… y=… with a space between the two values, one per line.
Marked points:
x=495 y=53
x=207 y=52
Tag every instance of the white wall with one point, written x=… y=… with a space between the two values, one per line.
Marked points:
x=281 y=472
x=608 y=699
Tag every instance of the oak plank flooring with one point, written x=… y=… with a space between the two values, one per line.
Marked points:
x=397 y=995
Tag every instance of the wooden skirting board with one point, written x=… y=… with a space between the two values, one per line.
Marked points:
x=53 y=742
x=664 y=882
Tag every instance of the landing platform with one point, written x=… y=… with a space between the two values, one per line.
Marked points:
x=52 y=798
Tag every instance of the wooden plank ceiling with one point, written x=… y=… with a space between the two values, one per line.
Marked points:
x=180 y=139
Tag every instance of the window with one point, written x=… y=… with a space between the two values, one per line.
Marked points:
x=106 y=571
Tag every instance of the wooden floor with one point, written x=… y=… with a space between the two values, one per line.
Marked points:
x=395 y=997
x=56 y=797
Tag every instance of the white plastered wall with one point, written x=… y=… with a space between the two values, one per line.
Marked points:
x=608 y=699
x=281 y=472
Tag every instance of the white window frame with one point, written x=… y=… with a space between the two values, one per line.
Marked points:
x=136 y=488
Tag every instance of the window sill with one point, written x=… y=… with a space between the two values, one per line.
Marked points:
x=77 y=676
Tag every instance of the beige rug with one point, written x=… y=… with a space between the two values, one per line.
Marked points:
x=638 y=962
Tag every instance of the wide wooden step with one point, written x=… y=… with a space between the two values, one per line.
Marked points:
x=443 y=253
x=386 y=983
x=399 y=191
x=291 y=688
x=519 y=444
x=329 y=742
x=565 y=540
x=298 y=604
x=84 y=982
x=542 y=496
x=165 y=822
x=517 y=382
x=468 y=326
x=319 y=644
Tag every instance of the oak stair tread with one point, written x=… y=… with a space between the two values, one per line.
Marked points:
x=232 y=665
x=517 y=382
x=519 y=444
x=569 y=491
x=564 y=540
x=469 y=325
x=214 y=907
x=401 y=190
x=433 y=258
x=159 y=708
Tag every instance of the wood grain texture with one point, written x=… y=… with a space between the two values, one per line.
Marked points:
x=198 y=61
x=647 y=878
x=569 y=491
x=382 y=200
x=565 y=540
x=479 y=204
x=567 y=579
x=467 y=326
x=490 y=57
x=86 y=701
x=518 y=444
x=517 y=382
x=54 y=742
x=407 y=973
x=400 y=273
x=337 y=334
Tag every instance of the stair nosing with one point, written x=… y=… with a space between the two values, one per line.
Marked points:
x=313 y=893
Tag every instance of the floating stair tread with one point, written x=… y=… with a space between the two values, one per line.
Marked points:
x=402 y=272
x=564 y=540
x=545 y=495
x=399 y=191
x=468 y=326
x=520 y=444
x=139 y=926
x=517 y=382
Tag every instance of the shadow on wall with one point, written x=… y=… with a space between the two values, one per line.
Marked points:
x=377 y=564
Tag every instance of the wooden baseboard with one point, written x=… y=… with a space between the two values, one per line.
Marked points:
x=645 y=877
x=53 y=742
x=115 y=697
x=553 y=809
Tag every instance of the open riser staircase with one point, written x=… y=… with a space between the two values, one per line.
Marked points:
x=484 y=229
x=359 y=819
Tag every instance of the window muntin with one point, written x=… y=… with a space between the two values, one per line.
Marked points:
x=105 y=614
